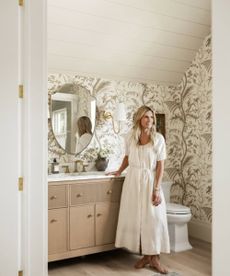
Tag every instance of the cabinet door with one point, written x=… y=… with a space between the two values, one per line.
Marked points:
x=57 y=236
x=82 y=226
x=106 y=222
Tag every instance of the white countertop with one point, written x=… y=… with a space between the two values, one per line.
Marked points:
x=79 y=176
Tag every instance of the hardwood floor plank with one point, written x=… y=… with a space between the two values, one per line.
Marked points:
x=194 y=262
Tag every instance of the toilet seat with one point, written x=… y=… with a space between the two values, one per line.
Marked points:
x=177 y=209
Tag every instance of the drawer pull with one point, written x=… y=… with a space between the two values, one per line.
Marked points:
x=90 y=216
x=109 y=192
x=98 y=215
x=53 y=197
x=53 y=220
x=79 y=195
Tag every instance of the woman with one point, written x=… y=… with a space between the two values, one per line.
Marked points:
x=142 y=224
x=84 y=127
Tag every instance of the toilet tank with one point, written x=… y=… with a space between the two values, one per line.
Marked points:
x=166 y=187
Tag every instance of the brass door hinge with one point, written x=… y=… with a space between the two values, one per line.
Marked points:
x=21 y=91
x=20 y=273
x=20 y=184
x=20 y=2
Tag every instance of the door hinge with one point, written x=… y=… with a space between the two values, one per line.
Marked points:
x=20 y=2
x=20 y=184
x=21 y=91
x=20 y=273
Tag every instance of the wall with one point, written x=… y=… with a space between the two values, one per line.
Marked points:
x=187 y=107
x=191 y=141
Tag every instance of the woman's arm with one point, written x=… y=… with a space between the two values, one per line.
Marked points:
x=123 y=166
x=156 y=198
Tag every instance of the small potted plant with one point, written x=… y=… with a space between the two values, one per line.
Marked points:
x=97 y=156
x=102 y=160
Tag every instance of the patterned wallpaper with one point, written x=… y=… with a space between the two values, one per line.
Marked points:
x=187 y=108
x=190 y=151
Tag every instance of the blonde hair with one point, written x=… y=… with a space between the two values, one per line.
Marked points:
x=84 y=125
x=137 y=124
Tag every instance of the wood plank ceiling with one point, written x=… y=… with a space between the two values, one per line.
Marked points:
x=150 y=41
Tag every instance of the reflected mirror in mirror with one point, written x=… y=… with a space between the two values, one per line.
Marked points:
x=73 y=115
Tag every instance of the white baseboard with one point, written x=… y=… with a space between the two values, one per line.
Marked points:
x=200 y=230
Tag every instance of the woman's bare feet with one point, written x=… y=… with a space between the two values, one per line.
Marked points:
x=155 y=263
x=143 y=262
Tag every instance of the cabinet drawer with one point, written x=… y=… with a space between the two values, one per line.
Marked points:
x=57 y=196
x=82 y=193
x=109 y=191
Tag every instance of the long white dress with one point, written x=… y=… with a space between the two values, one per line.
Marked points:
x=140 y=222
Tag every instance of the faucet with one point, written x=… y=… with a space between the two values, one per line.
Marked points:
x=66 y=167
x=78 y=166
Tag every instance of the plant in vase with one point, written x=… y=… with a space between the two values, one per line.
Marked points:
x=98 y=156
x=103 y=158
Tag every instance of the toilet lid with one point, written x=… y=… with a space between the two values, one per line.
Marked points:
x=173 y=208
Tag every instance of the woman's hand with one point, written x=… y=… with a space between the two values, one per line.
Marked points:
x=116 y=173
x=156 y=198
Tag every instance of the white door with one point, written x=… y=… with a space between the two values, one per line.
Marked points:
x=9 y=139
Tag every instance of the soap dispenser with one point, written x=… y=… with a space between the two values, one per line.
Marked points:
x=55 y=166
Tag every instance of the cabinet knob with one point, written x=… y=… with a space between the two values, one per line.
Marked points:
x=53 y=197
x=109 y=192
x=98 y=215
x=89 y=216
x=79 y=195
x=53 y=220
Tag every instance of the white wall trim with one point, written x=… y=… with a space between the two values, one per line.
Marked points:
x=200 y=230
x=221 y=137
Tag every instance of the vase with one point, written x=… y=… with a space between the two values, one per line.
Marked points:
x=101 y=164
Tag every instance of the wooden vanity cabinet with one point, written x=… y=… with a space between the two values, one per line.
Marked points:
x=87 y=217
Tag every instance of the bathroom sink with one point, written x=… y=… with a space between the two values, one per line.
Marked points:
x=79 y=175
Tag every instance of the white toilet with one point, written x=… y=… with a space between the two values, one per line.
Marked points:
x=178 y=216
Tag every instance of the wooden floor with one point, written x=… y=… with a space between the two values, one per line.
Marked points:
x=194 y=262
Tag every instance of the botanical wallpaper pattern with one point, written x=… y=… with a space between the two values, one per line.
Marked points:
x=190 y=150
x=187 y=109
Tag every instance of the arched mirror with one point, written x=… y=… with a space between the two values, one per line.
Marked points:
x=73 y=115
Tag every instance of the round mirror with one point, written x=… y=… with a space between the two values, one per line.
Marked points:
x=73 y=115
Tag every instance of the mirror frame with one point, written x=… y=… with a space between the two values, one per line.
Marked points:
x=160 y=117
x=50 y=117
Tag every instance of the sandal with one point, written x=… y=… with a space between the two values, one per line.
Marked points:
x=155 y=264
x=142 y=262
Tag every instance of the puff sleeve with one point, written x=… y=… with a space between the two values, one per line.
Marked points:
x=161 y=147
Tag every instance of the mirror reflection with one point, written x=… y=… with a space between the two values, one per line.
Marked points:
x=73 y=114
x=84 y=133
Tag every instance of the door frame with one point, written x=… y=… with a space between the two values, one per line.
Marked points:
x=34 y=139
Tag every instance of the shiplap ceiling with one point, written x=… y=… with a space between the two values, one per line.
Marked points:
x=150 y=41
